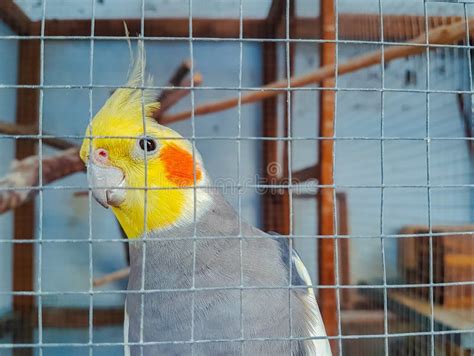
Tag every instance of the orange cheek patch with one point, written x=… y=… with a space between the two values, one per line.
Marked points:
x=179 y=166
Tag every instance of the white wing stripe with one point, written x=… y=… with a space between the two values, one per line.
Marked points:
x=126 y=348
x=317 y=325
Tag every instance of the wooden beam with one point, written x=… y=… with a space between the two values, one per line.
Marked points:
x=271 y=200
x=14 y=17
x=351 y=26
x=24 y=216
x=326 y=203
x=270 y=147
x=344 y=249
x=305 y=174
x=62 y=317
x=284 y=208
x=275 y=13
x=366 y=27
x=74 y=318
x=27 y=114
x=165 y=27
x=304 y=28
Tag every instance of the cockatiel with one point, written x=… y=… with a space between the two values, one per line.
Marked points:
x=192 y=300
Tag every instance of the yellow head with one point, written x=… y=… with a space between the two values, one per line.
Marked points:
x=124 y=158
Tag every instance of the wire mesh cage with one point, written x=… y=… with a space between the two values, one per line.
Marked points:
x=343 y=128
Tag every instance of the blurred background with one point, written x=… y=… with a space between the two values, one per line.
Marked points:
x=371 y=167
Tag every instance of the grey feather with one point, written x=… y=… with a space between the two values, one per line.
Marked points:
x=296 y=278
x=217 y=313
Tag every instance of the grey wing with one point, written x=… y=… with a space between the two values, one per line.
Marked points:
x=301 y=277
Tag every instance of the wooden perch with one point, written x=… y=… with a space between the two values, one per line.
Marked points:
x=301 y=176
x=112 y=277
x=175 y=95
x=305 y=174
x=170 y=97
x=446 y=34
x=176 y=79
x=21 y=183
x=13 y=15
x=467 y=123
x=180 y=73
x=27 y=130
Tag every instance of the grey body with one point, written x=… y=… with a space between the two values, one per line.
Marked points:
x=217 y=312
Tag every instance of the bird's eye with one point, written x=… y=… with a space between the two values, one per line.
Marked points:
x=147 y=144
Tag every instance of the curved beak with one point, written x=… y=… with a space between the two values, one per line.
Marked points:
x=106 y=184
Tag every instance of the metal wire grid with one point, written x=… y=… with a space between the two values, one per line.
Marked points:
x=89 y=196
x=40 y=181
x=39 y=293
